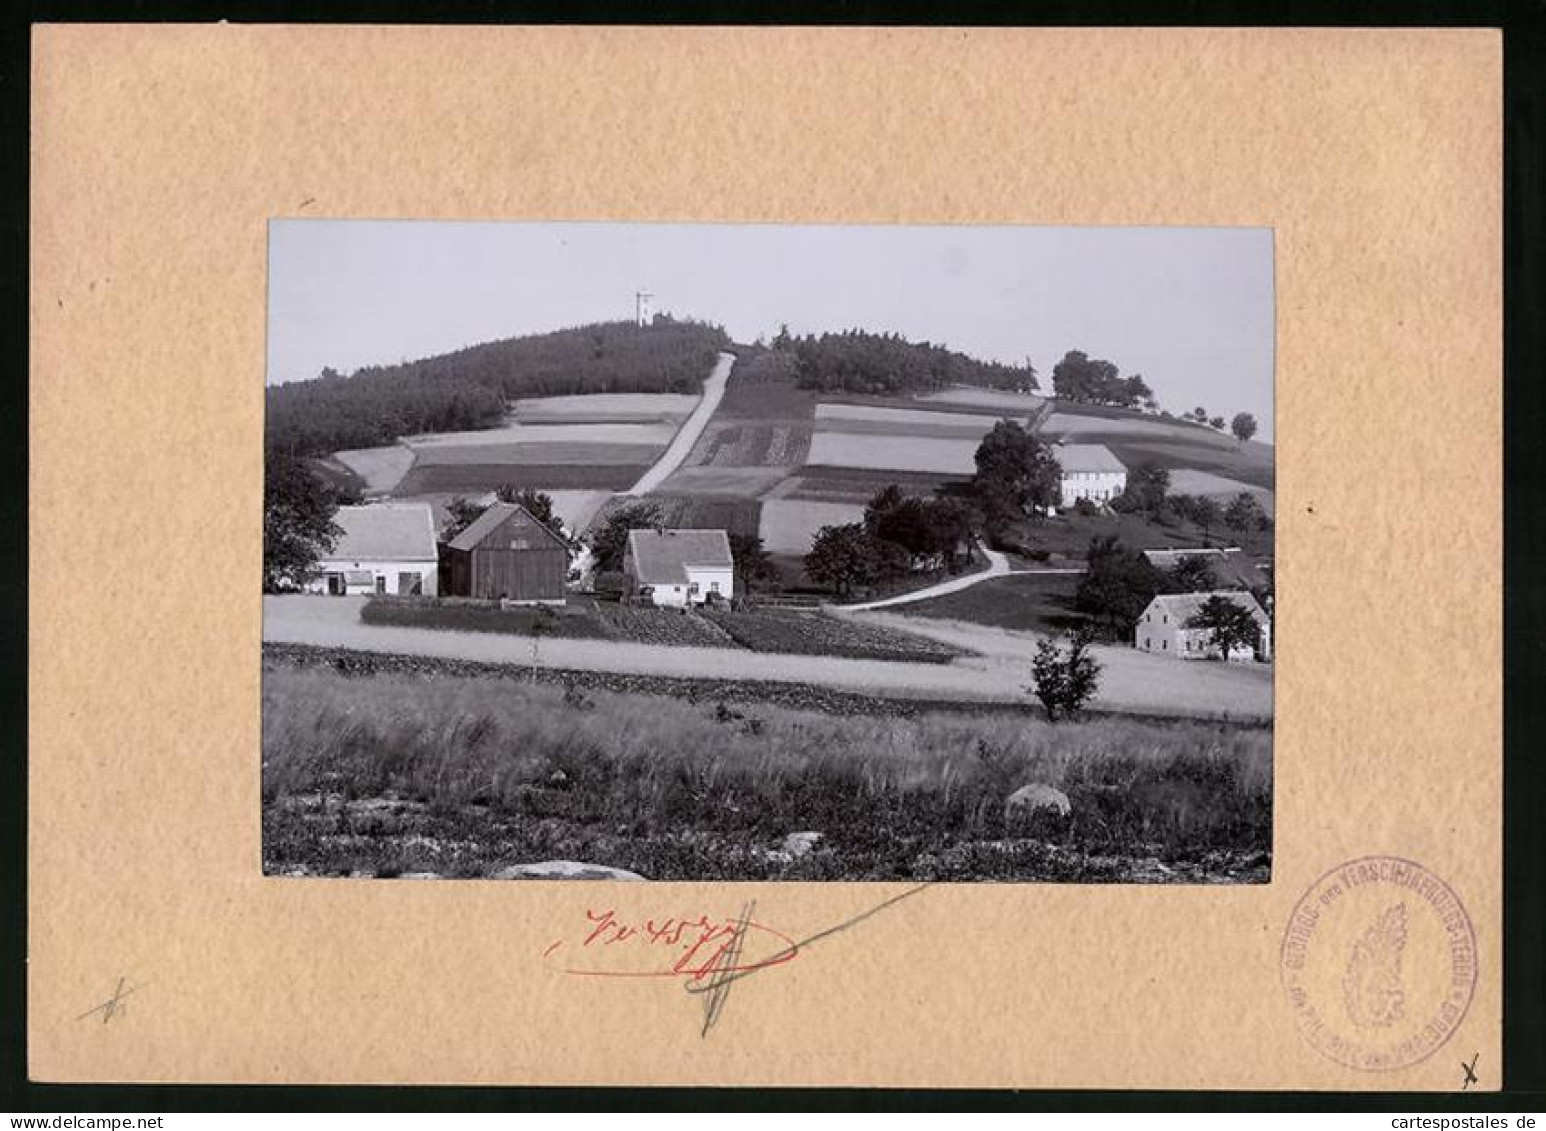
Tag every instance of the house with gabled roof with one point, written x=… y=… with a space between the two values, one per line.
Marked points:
x=1162 y=627
x=383 y=548
x=1090 y=471
x=679 y=567
x=507 y=554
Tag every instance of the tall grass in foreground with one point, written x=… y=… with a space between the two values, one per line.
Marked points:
x=885 y=791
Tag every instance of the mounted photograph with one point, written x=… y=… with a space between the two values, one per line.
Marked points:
x=709 y=552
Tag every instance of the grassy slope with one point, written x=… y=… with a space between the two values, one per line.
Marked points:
x=463 y=775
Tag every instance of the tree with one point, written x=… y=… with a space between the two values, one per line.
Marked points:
x=1243 y=426
x=298 y=526
x=1079 y=377
x=539 y=504
x=1192 y=574
x=1065 y=678
x=1117 y=586
x=609 y=541
x=460 y=514
x=1205 y=513
x=1016 y=474
x=1230 y=625
x=1200 y=414
x=1146 y=487
x=1217 y=423
x=1245 y=514
x=751 y=561
x=843 y=557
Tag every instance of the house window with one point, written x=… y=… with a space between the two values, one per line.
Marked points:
x=693 y=589
x=713 y=587
x=1148 y=646
x=380 y=583
x=1167 y=619
x=1164 y=645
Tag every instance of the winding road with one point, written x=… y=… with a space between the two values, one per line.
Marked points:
x=687 y=435
x=998 y=566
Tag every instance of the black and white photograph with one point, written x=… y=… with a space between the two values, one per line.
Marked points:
x=665 y=552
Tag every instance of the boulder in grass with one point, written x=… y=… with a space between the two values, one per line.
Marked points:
x=797 y=845
x=563 y=870
x=1037 y=798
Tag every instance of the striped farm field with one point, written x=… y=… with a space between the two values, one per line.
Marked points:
x=854 y=485
x=789 y=525
x=656 y=432
x=782 y=443
x=997 y=400
x=735 y=482
x=473 y=478
x=533 y=455
x=901 y=453
x=684 y=512
x=873 y=420
x=604 y=408
x=1079 y=426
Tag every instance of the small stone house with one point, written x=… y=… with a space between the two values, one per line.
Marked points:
x=679 y=568
x=1162 y=627
x=384 y=548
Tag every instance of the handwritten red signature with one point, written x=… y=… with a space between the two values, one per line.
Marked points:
x=613 y=946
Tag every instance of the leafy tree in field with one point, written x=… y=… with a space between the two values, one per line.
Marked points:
x=1245 y=514
x=1199 y=509
x=751 y=561
x=1016 y=474
x=1217 y=422
x=1243 y=426
x=1146 y=487
x=1200 y=414
x=1229 y=625
x=1192 y=574
x=842 y=557
x=929 y=530
x=609 y=542
x=298 y=526
x=1117 y=586
x=1064 y=677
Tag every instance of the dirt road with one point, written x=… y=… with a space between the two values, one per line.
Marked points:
x=1136 y=682
x=687 y=435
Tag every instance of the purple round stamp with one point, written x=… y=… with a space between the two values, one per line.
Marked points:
x=1379 y=963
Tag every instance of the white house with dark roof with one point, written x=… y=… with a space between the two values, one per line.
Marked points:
x=1090 y=471
x=679 y=567
x=384 y=548
x=1162 y=627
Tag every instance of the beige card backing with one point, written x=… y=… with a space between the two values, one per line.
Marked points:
x=161 y=153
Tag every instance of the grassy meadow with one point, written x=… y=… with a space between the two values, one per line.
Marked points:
x=386 y=773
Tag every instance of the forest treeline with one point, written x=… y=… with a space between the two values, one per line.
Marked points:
x=470 y=388
x=857 y=361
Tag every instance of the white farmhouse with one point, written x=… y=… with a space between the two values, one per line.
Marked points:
x=679 y=567
x=384 y=548
x=1162 y=627
x=1091 y=472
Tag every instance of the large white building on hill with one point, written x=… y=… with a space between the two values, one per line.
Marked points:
x=384 y=548
x=1090 y=471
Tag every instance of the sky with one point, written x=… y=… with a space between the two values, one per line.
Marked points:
x=1191 y=309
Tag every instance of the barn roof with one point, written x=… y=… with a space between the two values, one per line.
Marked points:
x=385 y=532
x=1087 y=457
x=661 y=557
x=1184 y=606
x=491 y=520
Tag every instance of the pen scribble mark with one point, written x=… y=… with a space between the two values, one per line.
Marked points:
x=114 y=1005
x=727 y=976
x=1470 y=1071
x=723 y=965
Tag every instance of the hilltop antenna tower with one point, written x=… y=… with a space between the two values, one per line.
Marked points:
x=644 y=307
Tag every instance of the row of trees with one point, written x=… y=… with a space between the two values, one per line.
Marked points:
x=858 y=361
x=471 y=388
x=1243 y=425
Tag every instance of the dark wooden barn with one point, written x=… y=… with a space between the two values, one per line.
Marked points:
x=508 y=554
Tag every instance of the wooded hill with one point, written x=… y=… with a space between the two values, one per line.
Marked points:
x=470 y=388
x=857 y=361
